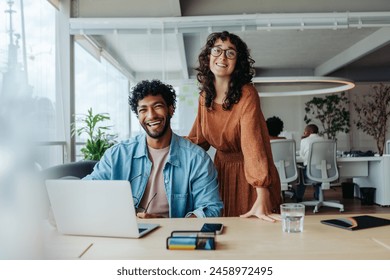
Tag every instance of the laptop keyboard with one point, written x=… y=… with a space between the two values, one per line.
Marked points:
x=141 y=229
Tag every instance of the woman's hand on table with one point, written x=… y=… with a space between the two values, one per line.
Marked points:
x=262 y=207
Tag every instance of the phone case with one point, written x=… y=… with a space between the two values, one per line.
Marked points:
x=211 y=227
x=191 y=240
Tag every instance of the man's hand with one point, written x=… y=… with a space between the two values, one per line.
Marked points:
x=148 y=216
x=192 y=216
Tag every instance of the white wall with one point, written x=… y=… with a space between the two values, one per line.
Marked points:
x=187 y=108
x=291 y=111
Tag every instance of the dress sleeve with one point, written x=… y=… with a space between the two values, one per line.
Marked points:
x=196 y=134
x=255 y=142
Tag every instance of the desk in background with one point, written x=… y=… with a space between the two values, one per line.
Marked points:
x=367 y=172
x=379 y=178
x=350 y=167
x=242 y=239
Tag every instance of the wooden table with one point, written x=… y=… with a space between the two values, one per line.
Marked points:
x=241 y=239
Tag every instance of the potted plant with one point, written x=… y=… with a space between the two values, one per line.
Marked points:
x=98 y=140
x=331 y=111
x=373 y=114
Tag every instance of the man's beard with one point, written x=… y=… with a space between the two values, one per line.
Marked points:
x=157 y=135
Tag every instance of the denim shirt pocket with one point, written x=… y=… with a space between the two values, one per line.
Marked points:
x=180 y=205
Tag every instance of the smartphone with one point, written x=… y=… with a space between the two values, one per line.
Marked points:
x=217 y=228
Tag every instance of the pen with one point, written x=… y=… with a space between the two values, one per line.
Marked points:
x=86 y=249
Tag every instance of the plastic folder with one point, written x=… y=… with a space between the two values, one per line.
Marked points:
x=191 y=240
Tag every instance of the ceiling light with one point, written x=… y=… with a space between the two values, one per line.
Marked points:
x=333 y=85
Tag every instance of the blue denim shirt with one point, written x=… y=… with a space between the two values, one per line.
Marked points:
x=190 y=178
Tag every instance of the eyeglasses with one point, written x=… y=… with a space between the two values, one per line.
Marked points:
x=217 y=51
x=145 y=210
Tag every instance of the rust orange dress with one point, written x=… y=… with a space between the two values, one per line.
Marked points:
x=243 y=153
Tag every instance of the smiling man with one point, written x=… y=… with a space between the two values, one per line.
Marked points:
x=169 y=176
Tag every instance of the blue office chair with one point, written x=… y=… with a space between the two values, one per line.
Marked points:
x=322 y=168
x=283 y=153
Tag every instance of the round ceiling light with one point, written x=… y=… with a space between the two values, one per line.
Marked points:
x=333 y=85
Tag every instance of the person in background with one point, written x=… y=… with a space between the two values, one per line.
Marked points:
x=229 y=118
x=310 y=135
x=275 y=127
x=169 y=176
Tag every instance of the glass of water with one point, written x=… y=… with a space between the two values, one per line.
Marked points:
x=293 y=215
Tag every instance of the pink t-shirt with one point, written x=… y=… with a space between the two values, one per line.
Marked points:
x=155 y=194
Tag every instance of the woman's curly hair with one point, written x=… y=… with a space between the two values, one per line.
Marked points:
x=242 y=74
x=154 y=87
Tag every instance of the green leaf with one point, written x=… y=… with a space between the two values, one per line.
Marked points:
x=98 y=140
x=330 y=113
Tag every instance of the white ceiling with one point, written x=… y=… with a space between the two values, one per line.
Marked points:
x=162 y=39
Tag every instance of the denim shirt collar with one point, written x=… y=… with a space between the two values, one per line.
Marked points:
x=173 y=158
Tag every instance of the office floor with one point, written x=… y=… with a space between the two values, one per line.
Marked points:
x=351 y=205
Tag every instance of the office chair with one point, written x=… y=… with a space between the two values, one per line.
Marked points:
x=322 y=168
x=283 y=153
x=73 y=170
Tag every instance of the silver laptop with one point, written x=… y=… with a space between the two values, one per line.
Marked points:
x=95 y=208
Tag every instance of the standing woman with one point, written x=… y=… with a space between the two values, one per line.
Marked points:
x=230 y=119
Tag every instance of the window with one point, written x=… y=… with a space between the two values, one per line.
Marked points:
x=100 y=86
x=27 y=77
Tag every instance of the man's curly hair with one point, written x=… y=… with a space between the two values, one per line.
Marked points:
x=275 y=126
x=154 y=87
x=242 y=74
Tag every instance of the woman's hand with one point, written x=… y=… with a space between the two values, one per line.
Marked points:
x=262 y=207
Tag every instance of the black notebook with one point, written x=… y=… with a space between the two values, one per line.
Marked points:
x=357 y=222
